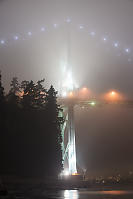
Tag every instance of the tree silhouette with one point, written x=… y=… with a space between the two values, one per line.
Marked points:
x=14 y=92
x=54 y=122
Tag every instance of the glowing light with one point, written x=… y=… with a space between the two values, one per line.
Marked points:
x=2 y=41
x=15 y=37
x=68 y=20
x=75 y=174
x=29 y=33
x=113 y=92
x=116 y=45
x=93 y=103
x=84 y=89
x=66 y=173
x=71 y=94
x=42 y=29
x=55 y=25
x=64 y=94
x=92 y=33
x=104 y=39
x=113 y=96
x=81 y=27
x=127 y=50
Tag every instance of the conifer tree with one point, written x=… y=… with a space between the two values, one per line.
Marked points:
x=54 y=122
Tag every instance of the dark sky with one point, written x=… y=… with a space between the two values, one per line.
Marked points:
x=104 y=135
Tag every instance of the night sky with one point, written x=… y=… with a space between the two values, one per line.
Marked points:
x=95 y=38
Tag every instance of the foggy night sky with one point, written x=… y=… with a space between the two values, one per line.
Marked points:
x=104 y=135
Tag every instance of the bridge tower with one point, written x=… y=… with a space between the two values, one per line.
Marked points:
x=68 y=140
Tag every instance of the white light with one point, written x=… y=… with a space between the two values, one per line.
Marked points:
x=104 y=39
x=81 y=27
x=16 y=37
x=29 y=33
x=127 y=50
x=42 y=29
x=93 y=103
x=64 y=94
x=116 y=45
x=55 y=25
x=68 y=20
x=66 y=173
x=2 y=41
x=92 y=33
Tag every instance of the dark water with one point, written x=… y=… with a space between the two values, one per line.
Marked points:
x=87 y=194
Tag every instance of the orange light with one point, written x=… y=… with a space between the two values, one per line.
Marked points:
x=84 y=89
x=113 y=96
x=75 y=174
x=84 y=93
x=71 y=94
x=113 y=93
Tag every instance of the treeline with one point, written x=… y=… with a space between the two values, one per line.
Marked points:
x=30 y=130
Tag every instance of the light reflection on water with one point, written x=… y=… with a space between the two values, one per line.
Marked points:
x=71 y=194
x=88 y=194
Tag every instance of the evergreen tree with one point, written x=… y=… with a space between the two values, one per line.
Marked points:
x=40 y=94
x=2 y=104
x=29 y=95
x=54 y=130
x=2 y=98
x=14 y=92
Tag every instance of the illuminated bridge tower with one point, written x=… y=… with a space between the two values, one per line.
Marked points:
x=68 y=140
x=71 y=141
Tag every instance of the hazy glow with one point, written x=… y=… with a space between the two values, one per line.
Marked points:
x=71 y=94
x=81 y=27
x=127 y=50
x=113 y=96
x=64 y=94
x=55 y=25
x=92 y=33
x=104 y=39
x=115 y=44
x=66 y=172
x=16 y=37
x=42 y=29
x=29 y=33
x=2 y=41
x=93 y=103
x=68 y=20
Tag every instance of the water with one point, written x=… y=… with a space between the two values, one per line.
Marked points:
x=87 y=194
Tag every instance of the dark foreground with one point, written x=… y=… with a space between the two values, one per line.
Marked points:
x=71 y=194
x=93 y=192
